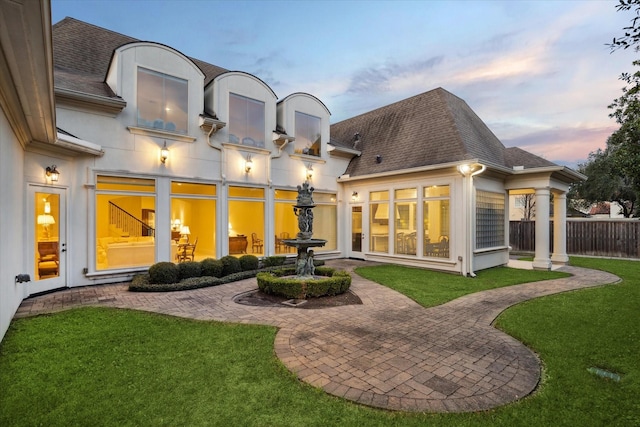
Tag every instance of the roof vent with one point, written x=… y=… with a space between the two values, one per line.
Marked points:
x=518 y=168
x=378 y=158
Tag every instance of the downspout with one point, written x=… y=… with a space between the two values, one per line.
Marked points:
x=471 y=216
x=468 y=171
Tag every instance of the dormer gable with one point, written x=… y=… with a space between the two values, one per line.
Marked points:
x=163 y=89
x=306 y=118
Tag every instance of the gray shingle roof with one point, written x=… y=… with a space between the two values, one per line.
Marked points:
x=432 y=128
x=82 y=53
x=514 y=156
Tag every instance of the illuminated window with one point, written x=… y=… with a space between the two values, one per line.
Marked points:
x=436 y=221
x=125 y=222
x=193 y=209
x=405 y=221
x=162 y=101
x=246 y=220
x=325 y=220
x=379 y=221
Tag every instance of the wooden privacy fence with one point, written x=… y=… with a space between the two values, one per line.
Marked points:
x=613 y=238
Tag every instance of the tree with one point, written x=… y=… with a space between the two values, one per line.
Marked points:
x=631 y=35
x=528 y=203
x=605 y=183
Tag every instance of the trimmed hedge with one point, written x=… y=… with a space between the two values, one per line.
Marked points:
x=276 y=282
x=189 y=269
x=167 y=276
x=164 y=272
x=230 y=265
x=249 y=262
x=211 y=267
x=273 y=261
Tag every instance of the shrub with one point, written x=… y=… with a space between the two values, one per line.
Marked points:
x=230 y=265
x=249 y=262
x=164 y=272
x=211 y=267
x=189 y=269
x=336 y=282
x=273 y=261
x=140 y=283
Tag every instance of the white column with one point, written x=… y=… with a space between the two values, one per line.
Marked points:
x=541 y=261
x=559 y=255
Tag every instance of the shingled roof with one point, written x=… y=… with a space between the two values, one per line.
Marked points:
x=82 y=53
x=432 y=128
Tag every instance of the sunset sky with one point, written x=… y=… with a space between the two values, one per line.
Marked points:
x=538 y=73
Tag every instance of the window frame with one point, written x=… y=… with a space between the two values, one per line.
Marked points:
x=163 y=122
x=245 y=138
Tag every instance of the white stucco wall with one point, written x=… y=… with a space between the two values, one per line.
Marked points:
x=12 y=224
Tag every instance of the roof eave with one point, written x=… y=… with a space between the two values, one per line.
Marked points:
x=88 y=101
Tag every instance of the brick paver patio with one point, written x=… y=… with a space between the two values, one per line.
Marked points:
x=388 y=352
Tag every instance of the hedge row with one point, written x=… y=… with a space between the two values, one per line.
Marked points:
x=274 y=282
x=167 y=276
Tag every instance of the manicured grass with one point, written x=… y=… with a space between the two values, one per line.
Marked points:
x=108 y=367
x=430 y=288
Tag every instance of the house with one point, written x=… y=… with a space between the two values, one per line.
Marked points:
x=116 y=153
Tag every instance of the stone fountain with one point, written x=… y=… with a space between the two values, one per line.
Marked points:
x=304 y=239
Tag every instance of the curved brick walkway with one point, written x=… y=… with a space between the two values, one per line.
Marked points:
x=388 y=352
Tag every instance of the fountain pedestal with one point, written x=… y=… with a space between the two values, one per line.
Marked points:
x=304 y=241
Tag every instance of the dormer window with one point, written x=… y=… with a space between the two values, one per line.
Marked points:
x=246 y=121
x=162 y=101
x=308 y=134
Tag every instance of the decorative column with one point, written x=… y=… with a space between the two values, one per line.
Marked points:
x=541 y=261
x=559 y=255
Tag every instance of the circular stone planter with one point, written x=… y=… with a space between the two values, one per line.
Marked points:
x=326 y=281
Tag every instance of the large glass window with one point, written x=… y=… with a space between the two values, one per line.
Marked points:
x=246 y=220
x=286 y=224
x=125 y=222
x=162 y=101
x=246 y=121
x=405 y=221
x=379 y=221
x=193 y=221
x=490 y=219
x=325 y=220
x=308 y=134
x=436 y=221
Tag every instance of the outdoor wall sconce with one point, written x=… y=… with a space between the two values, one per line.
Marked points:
x=52 y=173
x=248 y=164
x=472 y=169
x=354 y=196
x=309 y=171
x=164 y=153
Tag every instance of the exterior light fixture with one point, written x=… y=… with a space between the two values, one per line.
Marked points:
x=309 y=171
x=248 y=164
x=354 y=196
x=164 y=153
x=52 y=173
x=471 y=169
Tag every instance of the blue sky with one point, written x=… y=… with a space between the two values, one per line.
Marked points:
x=538 y=73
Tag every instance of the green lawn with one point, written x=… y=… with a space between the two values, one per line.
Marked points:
x=108 y=367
